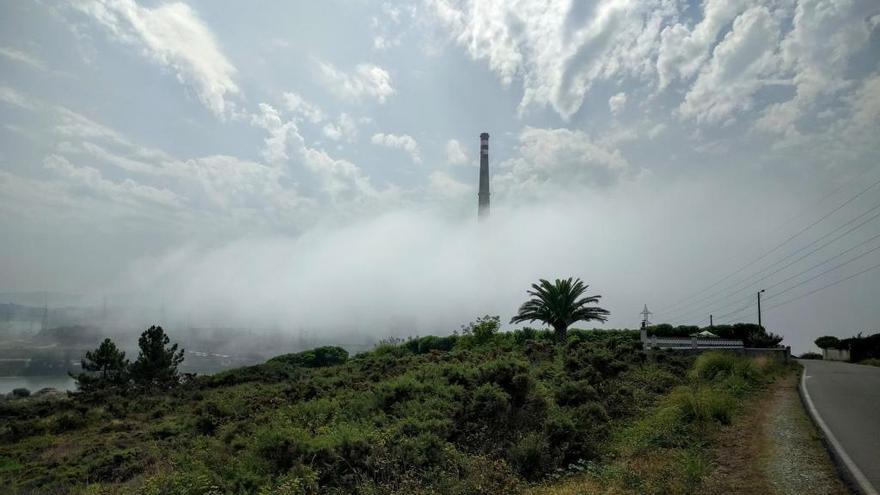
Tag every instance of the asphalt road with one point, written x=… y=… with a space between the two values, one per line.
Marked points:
x=847 y=399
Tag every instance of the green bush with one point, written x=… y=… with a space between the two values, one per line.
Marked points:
x=810 y=355
x=479 y=413
x=575 y=393
x=712 y=365
x=530 y=456
x=314 y=358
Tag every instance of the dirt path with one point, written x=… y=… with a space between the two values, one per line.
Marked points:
x=773 y=448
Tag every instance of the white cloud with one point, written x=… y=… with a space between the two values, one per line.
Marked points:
x=558 y=49
x=816 y=53
x=739 y=65
x=225 y=189
x=12 y=97
x=126 y=191
x=22 y=57
x=295 y=104
x=341 y=180
x=276 y=143
x=617 y=103
x=443 y=185
x=173 y=35
x=403 y=142
x=344 y=129
x=455 y=154
x=683 y=50
x=367 y=81
x=551 y=160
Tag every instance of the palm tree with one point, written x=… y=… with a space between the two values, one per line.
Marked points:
x=560 y=304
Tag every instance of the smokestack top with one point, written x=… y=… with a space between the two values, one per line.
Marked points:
x=484 y=135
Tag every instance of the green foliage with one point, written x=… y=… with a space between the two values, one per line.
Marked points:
x=157 y=362
x=431 y=343
x=484 y=412
x=827 y=342
x=862 y=348
x=104 y=367
x=810 y=355
x=559 y=304
x=712 y=365
x=319 y=357
x=483 y=328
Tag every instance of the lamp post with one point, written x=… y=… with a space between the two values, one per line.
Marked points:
x=759 y=308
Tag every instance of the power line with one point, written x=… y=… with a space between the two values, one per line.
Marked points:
x=709 y=299
x=775 y=248
x=796 y=261
x=814 y=278
x=832 y=284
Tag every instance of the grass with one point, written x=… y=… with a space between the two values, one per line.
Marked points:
x=669 y=449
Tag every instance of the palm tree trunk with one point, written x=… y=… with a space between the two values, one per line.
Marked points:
x=560 y=329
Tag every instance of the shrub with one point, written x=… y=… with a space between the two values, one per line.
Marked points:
x=431 y=343
x=711 y=365
x=483 y=328
x=810 y=355
x=530 y=456
x=490 y=402
x=827 y=342
x=315 y=358
x=20 y=393
x=523 y=335
x=575 y=393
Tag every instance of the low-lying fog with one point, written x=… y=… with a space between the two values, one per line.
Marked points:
x=423 y=272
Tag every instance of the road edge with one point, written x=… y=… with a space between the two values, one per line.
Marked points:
x=850 y=471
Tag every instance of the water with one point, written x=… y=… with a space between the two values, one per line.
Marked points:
x=34 y=383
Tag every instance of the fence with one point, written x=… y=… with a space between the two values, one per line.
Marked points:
x=703 y=344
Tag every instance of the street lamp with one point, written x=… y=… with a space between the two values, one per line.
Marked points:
x=759 y=308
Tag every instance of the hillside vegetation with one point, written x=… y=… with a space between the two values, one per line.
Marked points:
x=484 y=412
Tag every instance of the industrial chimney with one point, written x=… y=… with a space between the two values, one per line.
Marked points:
x=483 y=196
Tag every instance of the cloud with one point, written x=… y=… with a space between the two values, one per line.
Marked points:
x=295 y=104
x=126 y=191
x=172 y=35
x=552 y=160
x=341 y=180
x=683 y=50
x=366 y=81
x=22 y=57
x=816 y=54
x=219 y=188
x=617 y=103
x=403 y=142
x=443 y=185
x=13 y=97
x=737 y=69
x=558 y=49
x=455 y=154
x=344 y=129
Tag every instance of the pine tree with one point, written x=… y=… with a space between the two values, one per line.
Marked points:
x=104 y=367
x=157 y=362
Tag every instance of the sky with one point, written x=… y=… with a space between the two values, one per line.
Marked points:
x=314 y=164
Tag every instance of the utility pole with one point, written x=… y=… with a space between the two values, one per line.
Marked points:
x=759 y=307
x=645 y=314
x=711 y=322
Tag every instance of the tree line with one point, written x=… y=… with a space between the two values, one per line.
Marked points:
x=155 y=368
